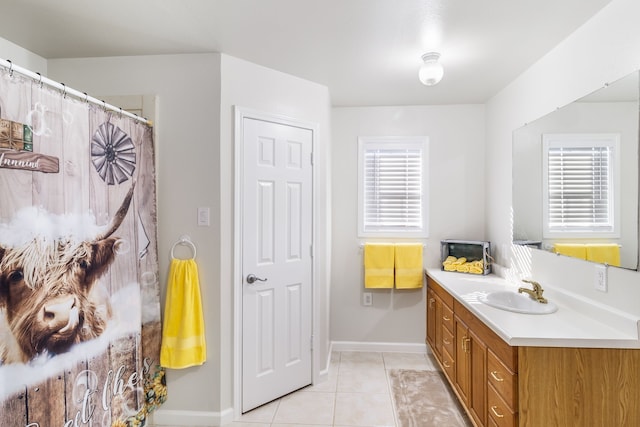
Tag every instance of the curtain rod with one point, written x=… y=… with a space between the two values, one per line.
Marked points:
x=38 y=78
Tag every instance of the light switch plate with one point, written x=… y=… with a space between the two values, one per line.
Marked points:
x=203 y=217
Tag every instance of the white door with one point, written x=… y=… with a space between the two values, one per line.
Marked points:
x=276 y=260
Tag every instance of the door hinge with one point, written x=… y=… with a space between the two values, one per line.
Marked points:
x=311 y=250
x=312 y=158
x=311 y=343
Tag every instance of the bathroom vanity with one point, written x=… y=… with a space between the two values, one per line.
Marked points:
x=578 y=366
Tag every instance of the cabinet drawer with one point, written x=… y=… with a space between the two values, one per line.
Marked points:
x=499 y=411
x=447 y=317
x=502 y=379
x=448 y=365
x=447 y=340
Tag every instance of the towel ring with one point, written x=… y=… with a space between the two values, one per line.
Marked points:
x=184 y=241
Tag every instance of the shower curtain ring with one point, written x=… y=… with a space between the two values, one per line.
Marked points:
x=10 y=68
x=86 y=97
x=64 y=91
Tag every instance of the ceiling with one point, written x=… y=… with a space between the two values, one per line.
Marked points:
x=366 y=51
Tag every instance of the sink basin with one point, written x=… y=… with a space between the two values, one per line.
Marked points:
x=519 y=303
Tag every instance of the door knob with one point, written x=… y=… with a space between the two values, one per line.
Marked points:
x=252 y=278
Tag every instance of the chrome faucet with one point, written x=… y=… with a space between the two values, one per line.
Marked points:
x=535 y=293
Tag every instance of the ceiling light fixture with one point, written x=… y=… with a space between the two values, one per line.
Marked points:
x=431 y=71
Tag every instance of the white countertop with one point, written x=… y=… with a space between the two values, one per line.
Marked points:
x=577 y=323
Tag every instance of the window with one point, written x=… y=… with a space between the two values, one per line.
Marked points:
x=392 y=186
x=581 y=175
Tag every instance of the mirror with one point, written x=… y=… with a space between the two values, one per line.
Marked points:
x=545 y=155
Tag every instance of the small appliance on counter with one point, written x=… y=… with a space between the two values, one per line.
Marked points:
x=466 y=256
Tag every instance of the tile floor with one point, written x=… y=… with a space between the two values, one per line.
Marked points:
x=356 y=394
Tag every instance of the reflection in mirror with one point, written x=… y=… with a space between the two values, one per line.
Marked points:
x=575 y=178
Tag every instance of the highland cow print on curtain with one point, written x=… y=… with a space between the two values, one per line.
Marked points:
x=79 y=291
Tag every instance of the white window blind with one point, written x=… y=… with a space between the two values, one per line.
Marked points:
x=580 y=182
x=392 y=186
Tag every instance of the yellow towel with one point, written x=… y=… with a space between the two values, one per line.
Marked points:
x=575 y=250
x=450 y=260
x=378 y=265
x=462 y=265
x=463 y=268
x=183 y=341
x=475 y=269
x=460 y=261
x=608 y=253
x=409 y=266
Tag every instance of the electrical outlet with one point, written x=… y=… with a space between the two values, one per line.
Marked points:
x=601 y=278
x=367 y=299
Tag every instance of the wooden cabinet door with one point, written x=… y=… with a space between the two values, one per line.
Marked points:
x=431 y=317
x=462 y=359
x=438 y=327
x=478 y=366
x=471 y=371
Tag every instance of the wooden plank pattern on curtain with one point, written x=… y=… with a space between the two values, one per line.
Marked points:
x=14 y=410
x=99 y=381
x=16 y=191
x=40 y=404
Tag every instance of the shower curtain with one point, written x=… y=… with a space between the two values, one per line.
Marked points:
x=79 y=291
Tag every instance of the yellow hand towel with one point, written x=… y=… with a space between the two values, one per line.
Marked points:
x=409 y=270
x=378 y=265
x=450 y=260
x=575 y=250
x=451 y=267
x=475 y=269
x=183 y=340
x=462 y=268
x=608 y=253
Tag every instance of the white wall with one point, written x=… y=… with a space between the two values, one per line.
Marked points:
x=187 y=147
x=603 y=50
x=456 y=211
x=22 y=57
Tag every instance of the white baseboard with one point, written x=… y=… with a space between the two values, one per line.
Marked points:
x=391 y=347
x=323 y=374
x=168 y=417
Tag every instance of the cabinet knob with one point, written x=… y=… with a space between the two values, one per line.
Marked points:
x=446 y=318
x=431 y=301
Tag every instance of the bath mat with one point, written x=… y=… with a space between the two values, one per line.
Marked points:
x=422 y=399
